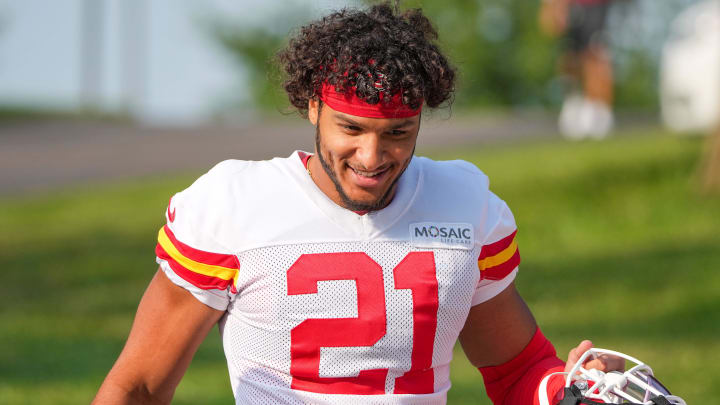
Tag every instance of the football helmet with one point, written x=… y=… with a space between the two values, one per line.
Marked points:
x=637 y=385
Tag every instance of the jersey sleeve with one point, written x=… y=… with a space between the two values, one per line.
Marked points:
x=187 y=250
x=499 y=255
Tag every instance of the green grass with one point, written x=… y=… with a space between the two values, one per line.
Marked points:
x=10 y=113
x=617 y=247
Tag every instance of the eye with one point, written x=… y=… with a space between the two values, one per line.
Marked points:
x=398 y=132
x=352 y=128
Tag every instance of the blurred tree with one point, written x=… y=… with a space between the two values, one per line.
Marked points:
x=253 y=43
x=502 y=57
x=254 y=50
x=637 y=31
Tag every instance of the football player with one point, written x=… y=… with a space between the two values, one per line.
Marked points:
x=346 y=275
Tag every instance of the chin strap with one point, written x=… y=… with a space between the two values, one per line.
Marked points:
x=573 y=396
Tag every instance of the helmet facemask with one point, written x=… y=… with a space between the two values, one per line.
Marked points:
x=637 y=385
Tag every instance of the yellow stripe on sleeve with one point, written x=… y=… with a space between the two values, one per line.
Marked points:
x=210 y=270
x=499 y=258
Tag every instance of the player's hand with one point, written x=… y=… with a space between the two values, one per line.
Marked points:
x=604 y=362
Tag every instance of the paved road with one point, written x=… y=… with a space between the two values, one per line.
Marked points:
x=39 y=156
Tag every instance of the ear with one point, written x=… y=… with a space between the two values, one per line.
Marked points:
x=313 y=111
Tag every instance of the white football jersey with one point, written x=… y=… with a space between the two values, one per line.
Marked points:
x=327 y=306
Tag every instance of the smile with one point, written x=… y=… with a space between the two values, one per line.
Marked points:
x=368 y=174
x=373 y=178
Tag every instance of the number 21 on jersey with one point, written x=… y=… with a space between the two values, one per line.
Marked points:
x=416 y=272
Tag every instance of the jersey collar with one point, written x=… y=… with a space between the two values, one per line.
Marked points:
x=374 y=222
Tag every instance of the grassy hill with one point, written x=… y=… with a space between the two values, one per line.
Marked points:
x=617 y=247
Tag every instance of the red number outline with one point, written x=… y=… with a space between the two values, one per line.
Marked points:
x=309 y=336
x=416 y=272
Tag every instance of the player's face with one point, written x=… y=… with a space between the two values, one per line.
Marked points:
x=359 y=159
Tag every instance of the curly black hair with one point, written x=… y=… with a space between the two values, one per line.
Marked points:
x=361 y=48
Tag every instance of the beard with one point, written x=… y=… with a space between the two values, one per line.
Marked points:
x=348 y=202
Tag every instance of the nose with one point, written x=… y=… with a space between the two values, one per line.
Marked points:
x=370 y=151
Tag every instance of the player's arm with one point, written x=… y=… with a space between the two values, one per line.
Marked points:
x=169 y=326
x=498 y=329
x=501 y=338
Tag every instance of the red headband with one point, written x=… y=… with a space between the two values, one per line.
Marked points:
x=349 y=103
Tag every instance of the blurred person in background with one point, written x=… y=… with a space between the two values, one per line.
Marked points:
x=587 y=109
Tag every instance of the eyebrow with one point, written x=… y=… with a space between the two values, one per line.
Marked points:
x=350 y=121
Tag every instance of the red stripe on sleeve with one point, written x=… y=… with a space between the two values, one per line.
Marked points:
x=215 y=259
x=496 y=247
x=500 y=271
x=198 y=280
